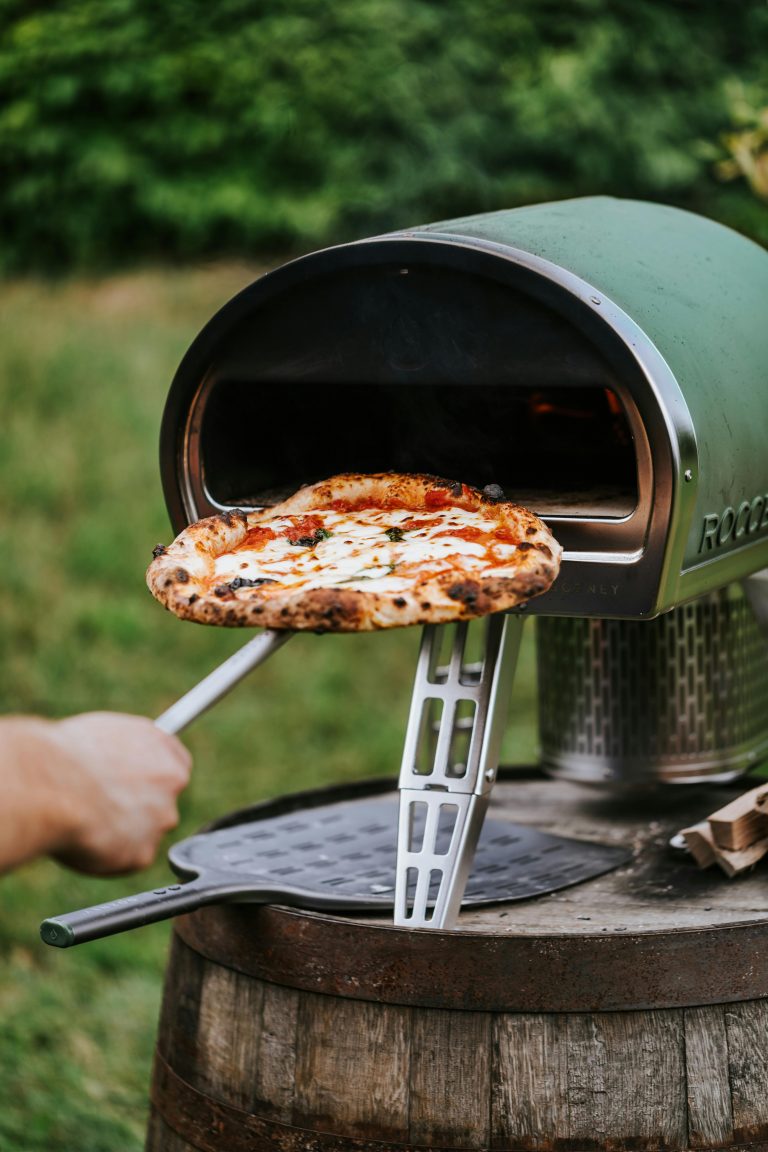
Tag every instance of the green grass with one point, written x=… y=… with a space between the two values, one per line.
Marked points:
x=84 y=370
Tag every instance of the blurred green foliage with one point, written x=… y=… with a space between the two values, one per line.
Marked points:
x=746 y=144
x=131 y=129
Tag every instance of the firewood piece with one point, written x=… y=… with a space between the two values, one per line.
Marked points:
x=732 y=863
x=700 y=844
x=742 y=822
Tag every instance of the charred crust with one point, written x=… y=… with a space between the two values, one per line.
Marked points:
x=159 y=550
x=332 y=610
x=193 y=598
x=465 y=591
x=494 y=493
x=182 y=576
x=399 y=602
x=525 y=546
x=455 y=487
x=336 y=610
x=530 y=531
x=545 y=551
x=232 y=518
x=222 y=590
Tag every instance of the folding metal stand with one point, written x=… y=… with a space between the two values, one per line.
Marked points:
x=450 y=760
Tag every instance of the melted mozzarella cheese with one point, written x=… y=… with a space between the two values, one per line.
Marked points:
x=359 y=551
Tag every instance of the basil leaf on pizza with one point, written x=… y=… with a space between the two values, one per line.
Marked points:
x=358 y=553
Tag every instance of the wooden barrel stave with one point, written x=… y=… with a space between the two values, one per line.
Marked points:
x=382 y=1075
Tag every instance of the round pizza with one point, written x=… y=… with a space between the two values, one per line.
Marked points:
x=357 y=553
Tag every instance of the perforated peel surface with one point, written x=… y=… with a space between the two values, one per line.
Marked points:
x=347 y=852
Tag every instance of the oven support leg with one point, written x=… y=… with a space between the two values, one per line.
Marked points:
x=443 y=800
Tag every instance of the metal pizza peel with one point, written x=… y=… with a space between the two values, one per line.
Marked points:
x=338 y=857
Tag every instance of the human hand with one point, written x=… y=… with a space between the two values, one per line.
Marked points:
x=120 y=777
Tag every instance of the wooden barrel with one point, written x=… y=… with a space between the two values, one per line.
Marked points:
x=627 y=1012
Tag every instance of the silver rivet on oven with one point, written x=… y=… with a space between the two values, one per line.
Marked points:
x=595 y=299
x=688 y=474
x=404 y=271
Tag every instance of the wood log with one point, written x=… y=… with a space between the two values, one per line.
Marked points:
x=735 y=863
x=742 y=821
x=700 y=842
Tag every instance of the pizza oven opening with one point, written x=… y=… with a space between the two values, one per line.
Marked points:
x=426 y=365
x=560 y=450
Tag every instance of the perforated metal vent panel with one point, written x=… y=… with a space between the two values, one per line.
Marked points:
x=681 y=697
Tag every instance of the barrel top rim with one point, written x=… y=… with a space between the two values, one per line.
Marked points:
x=669 y=936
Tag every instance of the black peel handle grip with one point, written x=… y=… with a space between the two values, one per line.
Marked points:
x=127 y=912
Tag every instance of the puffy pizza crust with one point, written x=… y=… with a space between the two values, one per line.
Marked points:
x=182 y=576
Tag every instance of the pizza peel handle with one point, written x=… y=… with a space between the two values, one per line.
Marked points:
x=128 y=912
x=222 y=680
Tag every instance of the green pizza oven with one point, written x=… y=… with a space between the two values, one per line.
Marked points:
x=605 y=361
